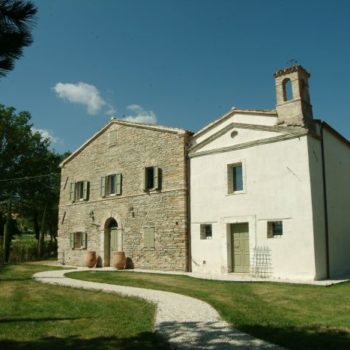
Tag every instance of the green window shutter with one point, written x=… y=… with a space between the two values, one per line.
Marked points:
x=103 y=186
x=149 y=237
x=113 y=137
x=71 y=240
x=118 y=185
x=156 y=178
x=84 y=240
x=72 y=192
x=113 y=243
x=145 y=179
x=86 y=190
x=145 y=237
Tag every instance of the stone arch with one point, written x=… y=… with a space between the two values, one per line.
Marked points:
x=110 y=224
x=287 y=89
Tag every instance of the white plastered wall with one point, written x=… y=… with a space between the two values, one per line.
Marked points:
x=276 y=187
x=337 y=163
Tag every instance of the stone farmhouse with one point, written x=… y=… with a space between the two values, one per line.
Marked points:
x=259 y=192
x=125 y=189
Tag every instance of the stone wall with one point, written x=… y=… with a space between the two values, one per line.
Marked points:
x=165 y=209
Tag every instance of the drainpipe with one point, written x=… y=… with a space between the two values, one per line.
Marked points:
x=325 y=203
x=188 y=203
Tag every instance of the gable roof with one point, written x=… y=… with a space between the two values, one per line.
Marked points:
x=264 y=112
x=159 y=128
x=334 y=132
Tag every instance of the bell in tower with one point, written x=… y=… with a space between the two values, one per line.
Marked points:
x=293 y=99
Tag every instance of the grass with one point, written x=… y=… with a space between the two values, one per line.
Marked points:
x=39 y=316
x=294 y=316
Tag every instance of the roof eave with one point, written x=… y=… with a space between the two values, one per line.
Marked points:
x=126 y=123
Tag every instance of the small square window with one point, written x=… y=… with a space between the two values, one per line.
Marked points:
x=206 y=231
x=235 y=178
x=274 y=229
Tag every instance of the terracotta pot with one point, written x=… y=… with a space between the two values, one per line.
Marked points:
x=119 y=260
x=90 y=258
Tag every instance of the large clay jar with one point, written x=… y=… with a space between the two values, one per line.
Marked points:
x=119 y=260
x=90 y=258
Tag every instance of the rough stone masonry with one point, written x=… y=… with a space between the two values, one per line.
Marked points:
x=127 y=149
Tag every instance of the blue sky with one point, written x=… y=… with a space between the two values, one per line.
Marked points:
x=183 y=63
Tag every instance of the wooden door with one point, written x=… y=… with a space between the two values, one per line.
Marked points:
x=116 y=240
x=240 y=247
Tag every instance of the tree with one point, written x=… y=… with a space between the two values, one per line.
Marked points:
x=29 y=175
x=16 y=21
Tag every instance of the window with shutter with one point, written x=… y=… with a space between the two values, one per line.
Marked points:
x=111 y=185
x=152 y=178
x=81 y=191
x=78 y=240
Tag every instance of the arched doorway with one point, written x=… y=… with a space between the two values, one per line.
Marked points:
x=113 y=240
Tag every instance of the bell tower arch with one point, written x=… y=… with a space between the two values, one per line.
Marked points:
x=293 y=103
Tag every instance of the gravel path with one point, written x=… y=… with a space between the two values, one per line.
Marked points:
x=186 y=322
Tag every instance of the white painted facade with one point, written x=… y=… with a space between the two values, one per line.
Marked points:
x=282 y=182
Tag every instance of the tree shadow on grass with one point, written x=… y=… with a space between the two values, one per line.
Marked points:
x=42 y=319
x=194 y=335
x=215 y=336
x=144 y=341
x=308 y=337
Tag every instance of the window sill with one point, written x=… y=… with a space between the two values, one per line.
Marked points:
x=236 y=193
x=78 y=201
x=152 y=190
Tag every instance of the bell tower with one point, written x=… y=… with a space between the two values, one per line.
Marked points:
x=293 y=99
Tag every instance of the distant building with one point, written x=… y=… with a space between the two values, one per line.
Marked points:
x=270 y=193
x=125 y=189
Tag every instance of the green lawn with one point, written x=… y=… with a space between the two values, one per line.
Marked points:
x=295 y=316
x=39 y=316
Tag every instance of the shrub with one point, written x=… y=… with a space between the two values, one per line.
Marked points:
x=23 y=248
